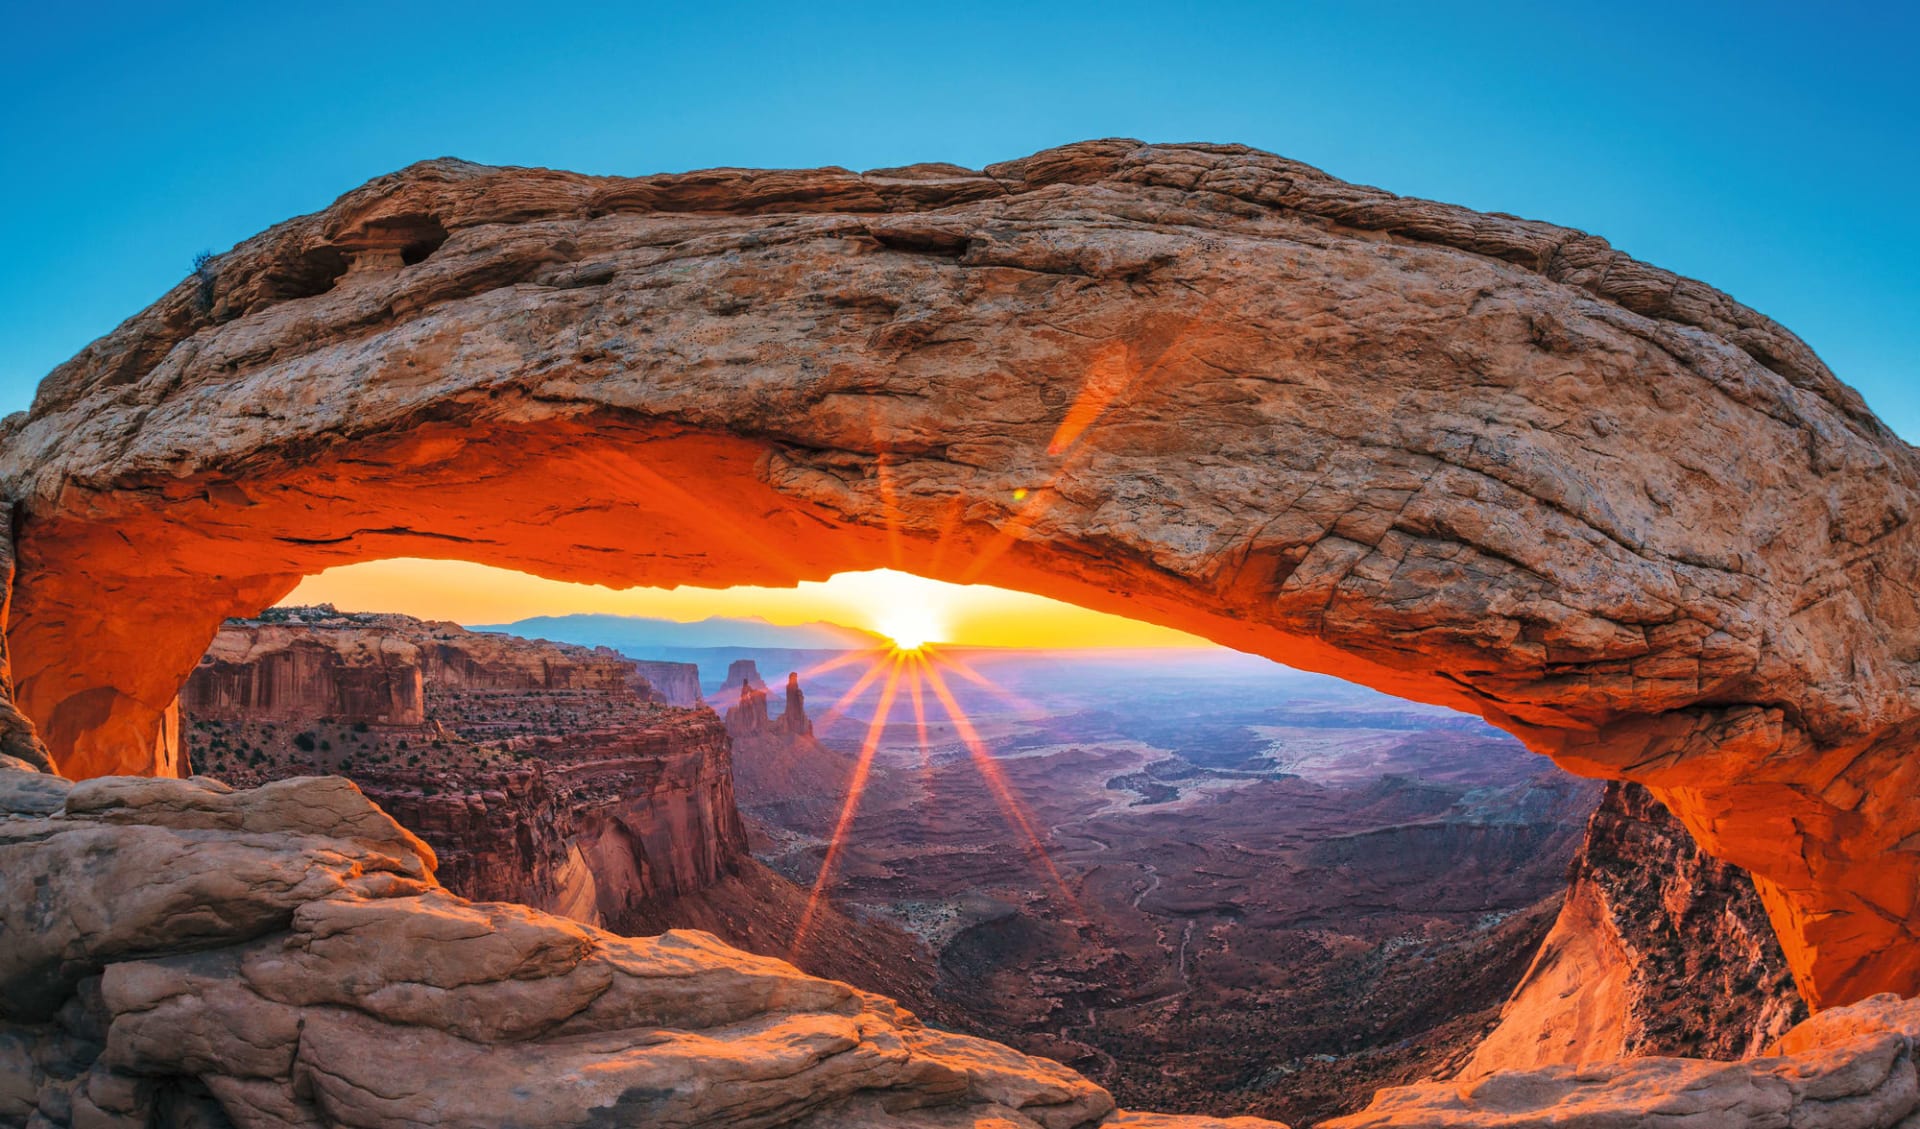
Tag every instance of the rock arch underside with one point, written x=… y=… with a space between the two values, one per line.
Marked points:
x=1465 y=458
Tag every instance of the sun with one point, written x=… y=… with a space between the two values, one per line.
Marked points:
x=910 y=628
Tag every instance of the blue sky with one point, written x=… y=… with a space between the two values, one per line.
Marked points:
x=1769 y=149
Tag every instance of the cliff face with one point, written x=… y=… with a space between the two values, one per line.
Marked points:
x=280 y=673
x=598 y=830
x=676 y=684
x=747 y=707
x=1455 y=456
x=783 y=775
x=1660 y=949
x=283 y=957
x=541 y=773
x=310 y=970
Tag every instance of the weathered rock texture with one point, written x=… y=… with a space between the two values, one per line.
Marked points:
x=677 y=684
x=783 y=775
x=540 y=774
x=1466 y=458
x=1659 y=949
x=1847 y=1068
x=747 y=716
x=178 y=953
x=536 y=770
x=274 y=672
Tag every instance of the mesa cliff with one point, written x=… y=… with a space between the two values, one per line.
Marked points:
x=1467 y=458
x=282 y=956
x=677 y=684
x=1471 y=459
x=542 y=773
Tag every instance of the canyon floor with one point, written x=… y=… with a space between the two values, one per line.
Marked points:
x=1208 y=882
x=1246 y=890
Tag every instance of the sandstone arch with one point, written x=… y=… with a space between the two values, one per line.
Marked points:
x=1461 y=457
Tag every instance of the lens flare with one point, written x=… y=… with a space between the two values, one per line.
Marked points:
x=918 y=668
x=851 y=806
x=911 y=629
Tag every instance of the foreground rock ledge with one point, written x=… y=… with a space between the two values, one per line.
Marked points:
x=175 y=952
x=1847 y=1068
x=1461 y=457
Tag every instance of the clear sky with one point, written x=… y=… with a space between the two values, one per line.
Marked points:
x=1770 y=149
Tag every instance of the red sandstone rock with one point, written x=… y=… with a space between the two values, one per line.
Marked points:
x=1659 y=950
x=1466 y=458
x=1849 y=1068
x=181 y=953
x=537 y=771
x=676 y=684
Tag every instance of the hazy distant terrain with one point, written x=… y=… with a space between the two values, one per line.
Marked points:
x=642 y=637
x=1241 y=879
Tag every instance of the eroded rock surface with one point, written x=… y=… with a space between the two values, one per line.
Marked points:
x=1847 y=1068
x=542 y=773
x=539 y=773
x=1660 y=949
x=678 y=684
x=177 y=952
x=1467 y=458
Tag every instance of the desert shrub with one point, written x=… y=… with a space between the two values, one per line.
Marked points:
x=204 y=277
x=305 y=742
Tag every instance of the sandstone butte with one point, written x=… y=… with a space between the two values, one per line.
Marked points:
x=1466 y=458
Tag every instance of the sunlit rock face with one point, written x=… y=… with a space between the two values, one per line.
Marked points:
x=282 y=956
x=676 y=684
x=748 y=717
x=292 y=673
x=541 y=773
x=1659 y=949
x=1465 y=458
x=1850 y=1066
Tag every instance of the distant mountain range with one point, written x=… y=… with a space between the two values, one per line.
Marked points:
x=644 y=637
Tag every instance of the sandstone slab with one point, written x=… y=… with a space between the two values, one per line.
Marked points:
x=322 y=977
x=1467 y=458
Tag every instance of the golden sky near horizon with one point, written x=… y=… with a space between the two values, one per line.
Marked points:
x=893 y=603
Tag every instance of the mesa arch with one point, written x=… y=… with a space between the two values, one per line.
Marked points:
x=1464 y=458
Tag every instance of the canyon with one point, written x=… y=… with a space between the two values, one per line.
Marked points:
x=541 y=773
x=1229 y=849
x=1260 y=892
x=1467 y=459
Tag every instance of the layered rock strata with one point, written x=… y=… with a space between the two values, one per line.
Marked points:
x=181 y=953
x=676 y=684
x=1659 y=949
x=1466 y=458
x=784 y=777
x=540 y=772
x=748 y=716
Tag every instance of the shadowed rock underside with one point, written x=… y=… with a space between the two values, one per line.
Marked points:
x=1466 y=458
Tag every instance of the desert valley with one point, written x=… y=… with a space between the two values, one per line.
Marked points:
x=1161 y=636
x=1210 y=883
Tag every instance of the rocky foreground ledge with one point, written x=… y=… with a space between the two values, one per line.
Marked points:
x=175 y=952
